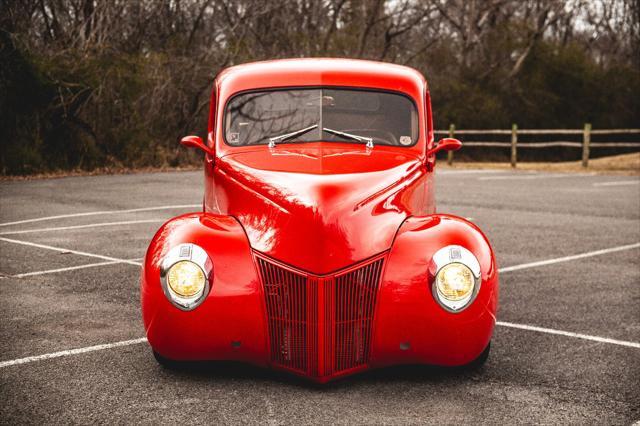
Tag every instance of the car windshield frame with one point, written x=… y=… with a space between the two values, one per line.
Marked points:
x=414 y=105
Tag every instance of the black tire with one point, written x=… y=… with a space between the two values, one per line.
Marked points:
x=480 y=360
x=167 y=363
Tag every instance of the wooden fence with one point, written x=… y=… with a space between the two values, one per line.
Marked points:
x=586 y=143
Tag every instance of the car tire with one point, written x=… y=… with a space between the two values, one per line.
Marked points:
x=480 y=360
x=167 y=363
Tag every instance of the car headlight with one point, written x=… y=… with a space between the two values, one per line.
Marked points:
x=457 y=277
x=184 y=275
x=186 y=279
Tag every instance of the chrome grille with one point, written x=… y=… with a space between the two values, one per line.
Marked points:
x=320 y=325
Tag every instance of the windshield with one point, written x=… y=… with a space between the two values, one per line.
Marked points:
x=386 y=118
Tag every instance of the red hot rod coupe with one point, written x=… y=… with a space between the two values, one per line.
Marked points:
x=319 y=250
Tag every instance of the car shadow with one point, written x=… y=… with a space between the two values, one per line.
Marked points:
x=230 y=370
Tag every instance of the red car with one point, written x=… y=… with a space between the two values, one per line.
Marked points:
x=319 y=250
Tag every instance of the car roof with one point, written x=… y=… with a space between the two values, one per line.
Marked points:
x=321 y=72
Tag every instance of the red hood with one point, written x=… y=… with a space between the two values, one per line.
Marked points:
x=320 y=208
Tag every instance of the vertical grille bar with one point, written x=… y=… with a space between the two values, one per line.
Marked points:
x=312 y=327
x=319 y=326
x=329 y=326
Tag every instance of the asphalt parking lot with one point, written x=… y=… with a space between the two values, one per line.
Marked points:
x=566 y=350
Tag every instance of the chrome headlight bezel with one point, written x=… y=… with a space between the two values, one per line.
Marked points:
x=191 y=253
x=446 y=256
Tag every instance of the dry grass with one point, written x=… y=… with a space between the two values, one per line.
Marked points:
x=625 y=164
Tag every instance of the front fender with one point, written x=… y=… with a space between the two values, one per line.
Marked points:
x=229 y=324
x=410 y=326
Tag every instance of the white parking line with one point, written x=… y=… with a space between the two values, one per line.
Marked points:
x=618 y=183
x=63 y=250
x=70 y=268
x=465 y=172
x=78 y=351
x=598 y=339
x=90 y=225
x=72 y=352
x=570 y=334
x=533 y=176
x=62 y=216
x=568 y=258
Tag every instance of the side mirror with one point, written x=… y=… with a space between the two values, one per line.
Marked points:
x=196 y=142
x=446 y=144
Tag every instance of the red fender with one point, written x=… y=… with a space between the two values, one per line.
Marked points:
x=410 y=326
x=229 y=324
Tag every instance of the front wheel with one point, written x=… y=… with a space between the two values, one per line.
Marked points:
x=167 y=363
x=480 y=360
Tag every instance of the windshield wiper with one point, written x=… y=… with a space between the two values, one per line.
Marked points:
x=286 y=136
x=369 y=141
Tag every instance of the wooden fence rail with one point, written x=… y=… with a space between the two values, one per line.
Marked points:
x=586 y=143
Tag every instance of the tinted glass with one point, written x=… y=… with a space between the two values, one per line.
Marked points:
x=388 y=118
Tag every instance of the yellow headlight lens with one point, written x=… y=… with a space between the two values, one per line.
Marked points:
x=186 y=279
x=455 y=281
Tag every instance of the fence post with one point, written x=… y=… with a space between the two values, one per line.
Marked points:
x=514 y=142
x=586 y=140
x=452 y=131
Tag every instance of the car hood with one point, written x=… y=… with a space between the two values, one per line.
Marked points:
x=320 y=209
